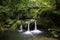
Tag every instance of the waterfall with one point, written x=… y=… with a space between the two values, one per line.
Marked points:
x=35 y=25
x=36 y=31
x=20 y=29
x=28 y=32
x=28 y=26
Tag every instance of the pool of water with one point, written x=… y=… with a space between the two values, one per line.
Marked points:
x=8 y=35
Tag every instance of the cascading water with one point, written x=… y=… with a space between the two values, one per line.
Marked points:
x=20 y=29
x=28 y=32
x=28 y=26
x=35 y=25
x=36 y=31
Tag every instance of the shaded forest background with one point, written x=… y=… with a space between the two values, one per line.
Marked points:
x=46 y=12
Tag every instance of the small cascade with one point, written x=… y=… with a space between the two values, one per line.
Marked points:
x=28 y=32
x=35 y=25
x=28 y=26
x=20 y=29
x=36 y=31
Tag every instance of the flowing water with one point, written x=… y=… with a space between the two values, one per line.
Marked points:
x=36 y=31
x=35 y=25
x=28 y=32
x=20 y=29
